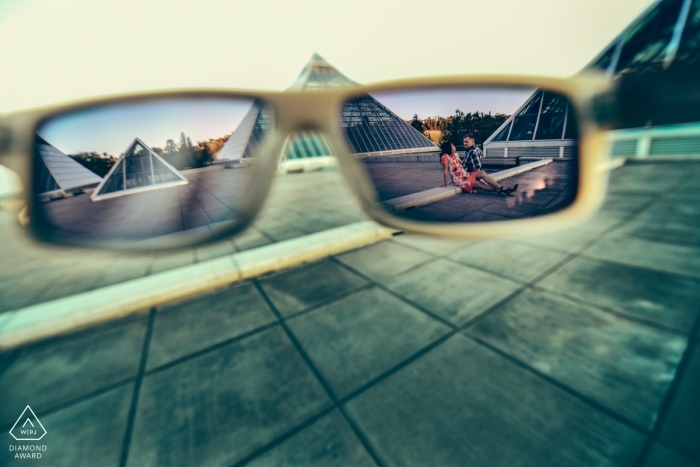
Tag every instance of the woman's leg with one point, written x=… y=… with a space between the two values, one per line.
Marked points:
x=482 y=186
x=488 y=179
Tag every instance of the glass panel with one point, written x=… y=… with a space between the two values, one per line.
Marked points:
x=646 y=42
x=688 y=54
x=166 y=178
x=162 y=173
x=571 y=125
x=138 y=168
x=318 y=145
x=44 y=181
x=524 y=123
x=371 y=127
x=551 y=124
x=503 y=135
x=262 y=124
x=440 y=185
x=604 y=61
x=115 y=182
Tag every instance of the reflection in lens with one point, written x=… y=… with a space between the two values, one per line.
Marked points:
x=146 y=169
x=466 y=154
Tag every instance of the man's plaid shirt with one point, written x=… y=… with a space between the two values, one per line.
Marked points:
x=472 y=159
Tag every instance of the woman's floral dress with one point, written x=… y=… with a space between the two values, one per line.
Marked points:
x=459 y=176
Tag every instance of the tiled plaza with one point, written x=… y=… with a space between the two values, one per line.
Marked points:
x=571 y=348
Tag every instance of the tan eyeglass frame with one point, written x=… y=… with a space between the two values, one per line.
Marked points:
x=320 y=111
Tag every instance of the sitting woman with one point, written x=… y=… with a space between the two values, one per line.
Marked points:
x=460 y=177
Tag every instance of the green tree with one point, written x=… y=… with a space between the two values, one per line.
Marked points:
x=481 y=125
x=417 y=123
x=95 y=162
x=170 y=146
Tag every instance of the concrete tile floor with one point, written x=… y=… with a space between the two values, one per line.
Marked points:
x=327 y=443
x=590 y=357
x=44 y=272
x=298 y=289
x=182 y=329
x=680 y=429
x=596 y=353
x=68 y=369
x=351 y=344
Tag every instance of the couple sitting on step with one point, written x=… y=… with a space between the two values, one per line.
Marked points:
x=464 y=174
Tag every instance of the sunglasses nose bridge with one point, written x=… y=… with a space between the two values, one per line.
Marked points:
x=304 y=111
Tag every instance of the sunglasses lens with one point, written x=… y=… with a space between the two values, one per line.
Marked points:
x=466 y=154
x=147 y=170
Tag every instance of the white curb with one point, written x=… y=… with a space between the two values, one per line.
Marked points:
x=437 y=194
x=79 y=311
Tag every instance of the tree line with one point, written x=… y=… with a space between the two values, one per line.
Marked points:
x=453 y=128
x=181 y=155
x=185 y=155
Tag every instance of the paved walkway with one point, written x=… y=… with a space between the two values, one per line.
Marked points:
x=299 y=204
x=213 y=194
x=577 y=347
x=541 y=191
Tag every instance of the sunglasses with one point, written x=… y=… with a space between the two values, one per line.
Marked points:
x=177 y=169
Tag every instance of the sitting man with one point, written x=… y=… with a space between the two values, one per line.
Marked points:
x=472 y=163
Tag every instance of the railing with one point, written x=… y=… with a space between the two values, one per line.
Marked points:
x=663 y=143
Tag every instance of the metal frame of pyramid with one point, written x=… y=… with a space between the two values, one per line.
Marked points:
x=59 y=173
x=123 y=188
x=541 y=127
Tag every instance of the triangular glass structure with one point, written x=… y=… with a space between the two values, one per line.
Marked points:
x=319 y=74
x=544 y=116
x=58 y=173
x=371 y=128
x=138 y=169
x=306 y=144
x=248 y=135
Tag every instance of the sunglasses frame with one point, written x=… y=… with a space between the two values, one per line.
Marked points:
x=319 y=111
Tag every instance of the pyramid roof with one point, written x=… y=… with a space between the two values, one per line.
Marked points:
x=371 y=127
x=59 y=172
x=139 y=169
x=247 y=136
x=319 y=74
x=543 y=116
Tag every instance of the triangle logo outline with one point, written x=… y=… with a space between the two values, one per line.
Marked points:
x=28 y=418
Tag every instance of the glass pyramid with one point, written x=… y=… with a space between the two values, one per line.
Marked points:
x=306 y=144
x=319 y=74
x=542 y=127
x=663 y=39
x=57 y=172
x=138 y=169
x=248 y=135
x=370 y=127
x=544 y=116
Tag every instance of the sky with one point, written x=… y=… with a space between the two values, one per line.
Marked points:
x=111 y=129
x=444 y=102
x=62 y=50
